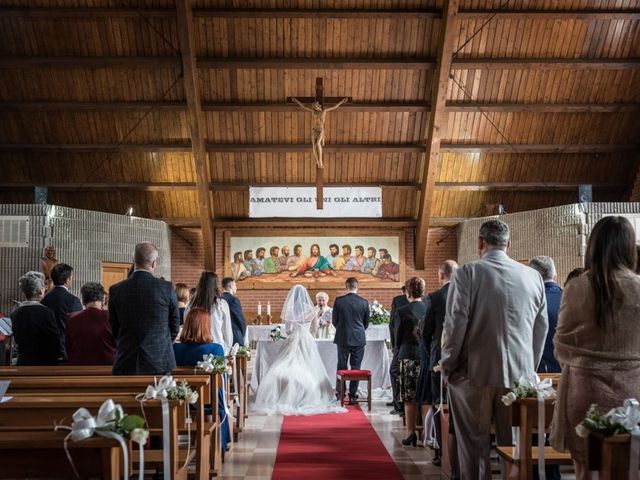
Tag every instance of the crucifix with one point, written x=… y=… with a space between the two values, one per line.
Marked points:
x=319 y=112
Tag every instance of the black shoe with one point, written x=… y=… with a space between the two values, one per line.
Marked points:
x=437 y=459
x=390 y=404
x=410 y=440
x=353 y=400
x=395 y=411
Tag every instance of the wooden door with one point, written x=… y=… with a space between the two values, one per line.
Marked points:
x=113 y=273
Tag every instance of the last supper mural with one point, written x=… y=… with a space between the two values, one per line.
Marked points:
x=265 y=261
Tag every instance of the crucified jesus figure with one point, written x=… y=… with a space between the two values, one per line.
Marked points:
x=317 y=133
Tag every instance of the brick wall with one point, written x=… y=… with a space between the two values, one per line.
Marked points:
x=187 y=258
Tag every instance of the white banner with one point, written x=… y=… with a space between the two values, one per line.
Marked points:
x=339 y=202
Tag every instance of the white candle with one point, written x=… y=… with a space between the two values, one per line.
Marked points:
x=268 y=308
x=259 y=308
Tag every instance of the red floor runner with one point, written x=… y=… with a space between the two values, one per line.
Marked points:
x=334 y=446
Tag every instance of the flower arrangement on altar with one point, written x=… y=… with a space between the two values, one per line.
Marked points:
x=378 y=315
x=276 y=334
x=529 y=386
x=619 y=420
x=211 y=363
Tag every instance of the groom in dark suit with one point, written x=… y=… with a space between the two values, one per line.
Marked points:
x=351 y=318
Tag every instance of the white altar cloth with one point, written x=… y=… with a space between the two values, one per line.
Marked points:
x=376 y=359
x=261 y=332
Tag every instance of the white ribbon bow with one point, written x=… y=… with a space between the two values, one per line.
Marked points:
x=159 y=389
x=86 y=426
x=207 y=363
x=628 y=416
x=543 y=388
x=234 y=349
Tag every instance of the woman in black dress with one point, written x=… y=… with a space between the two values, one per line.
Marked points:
x=34 y=325
x=407 y=334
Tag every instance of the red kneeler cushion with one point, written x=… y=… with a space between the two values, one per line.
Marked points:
x=349 y=373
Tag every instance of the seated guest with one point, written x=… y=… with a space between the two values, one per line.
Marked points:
x=195 y=341
x=406 y=335
x=89 y=337
x=182 y=294
x=597 y=339
x=209 y=297
x=34 y=325
x=60 y=299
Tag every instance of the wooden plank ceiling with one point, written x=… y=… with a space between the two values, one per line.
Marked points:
x=542 y=96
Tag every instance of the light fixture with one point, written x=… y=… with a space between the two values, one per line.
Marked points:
x=129 y=211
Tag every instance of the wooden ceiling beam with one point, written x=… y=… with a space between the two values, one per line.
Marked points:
x=525 y=186
x=543 y=107
x=91 y=13
x=47 y=106
x=169 y=186
x=546 y=64
x=318 y=64
x=435 y=128
x=196 y=120
x=583 y=14
x=408 y=63
x=460 y=148
x=141 y=63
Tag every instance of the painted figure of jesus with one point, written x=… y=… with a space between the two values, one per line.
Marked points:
x=317 y=133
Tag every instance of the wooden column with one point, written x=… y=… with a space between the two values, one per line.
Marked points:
x=435 y=127
x=192 y=93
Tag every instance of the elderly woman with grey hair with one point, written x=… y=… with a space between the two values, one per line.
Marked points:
x=34 y=325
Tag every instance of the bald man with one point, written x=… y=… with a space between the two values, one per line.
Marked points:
x=144 y=317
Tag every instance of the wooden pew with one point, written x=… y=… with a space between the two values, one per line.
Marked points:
x=96 y=457
x=108 y=386
x=215 y=454
x=525 y=415
x=609 y=456
x=40 y=413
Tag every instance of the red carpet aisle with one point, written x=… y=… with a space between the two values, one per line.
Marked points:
x=333 y=446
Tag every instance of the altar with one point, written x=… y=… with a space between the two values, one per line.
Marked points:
x=256 y=333
x=376 y=359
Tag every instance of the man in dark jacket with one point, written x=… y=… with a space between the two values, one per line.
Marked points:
x=238 y=323
x=61 y=300
x=144 y=317
x=396 y=303
x=432 y=339
x=350 y=317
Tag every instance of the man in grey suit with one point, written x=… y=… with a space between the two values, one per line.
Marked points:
x=350 y=317
x=494 y=332
x=144 y=317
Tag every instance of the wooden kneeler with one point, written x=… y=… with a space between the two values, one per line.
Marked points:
x=609 y=456
x=344 y=376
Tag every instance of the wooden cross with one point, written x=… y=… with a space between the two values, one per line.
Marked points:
x=319 y=99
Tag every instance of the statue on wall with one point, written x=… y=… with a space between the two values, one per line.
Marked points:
x=47 y=262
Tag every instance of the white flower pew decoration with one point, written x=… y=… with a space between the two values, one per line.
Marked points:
x=110 y=422
x=619 y=420
x=530 y=386
x=164 y=390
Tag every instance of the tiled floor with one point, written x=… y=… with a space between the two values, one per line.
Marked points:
x=254 y=455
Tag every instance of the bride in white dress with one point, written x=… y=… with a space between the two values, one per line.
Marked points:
x=297 y=382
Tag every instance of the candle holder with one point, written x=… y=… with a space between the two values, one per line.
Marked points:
x=268 y=319
x=258 y=319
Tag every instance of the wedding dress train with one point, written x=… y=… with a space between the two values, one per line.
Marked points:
x=297 y=382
